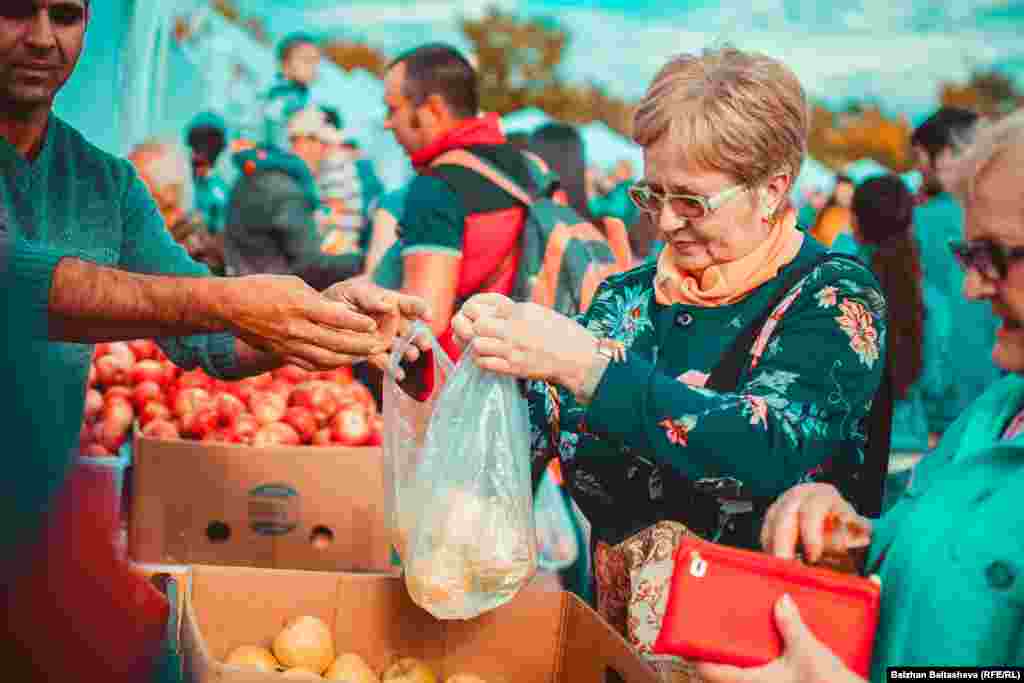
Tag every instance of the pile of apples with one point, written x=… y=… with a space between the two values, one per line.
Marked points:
x=134 y=381
x=305 y=649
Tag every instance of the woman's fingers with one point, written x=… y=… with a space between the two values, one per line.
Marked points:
x=786 y=532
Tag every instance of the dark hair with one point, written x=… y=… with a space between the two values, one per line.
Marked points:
x=948 y=127
x=208 y=141
x=884 y=208
x=292 y=41
x=561 y=148
x=333 y=117
x=840 y=180
x=439 y=69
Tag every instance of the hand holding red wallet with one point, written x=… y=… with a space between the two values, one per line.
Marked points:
x=804 y=658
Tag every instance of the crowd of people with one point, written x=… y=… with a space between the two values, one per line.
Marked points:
x=722 y=383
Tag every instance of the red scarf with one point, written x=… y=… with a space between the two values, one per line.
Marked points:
x=482 y=130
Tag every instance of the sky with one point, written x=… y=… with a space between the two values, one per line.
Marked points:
x=890 y=51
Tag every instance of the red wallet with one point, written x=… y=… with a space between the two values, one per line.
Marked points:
x=721 y=607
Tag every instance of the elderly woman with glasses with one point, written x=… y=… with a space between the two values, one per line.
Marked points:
x=697 y=388
x=950 y=554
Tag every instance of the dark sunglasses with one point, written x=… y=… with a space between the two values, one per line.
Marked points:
x=989 y=259
x=61 y=13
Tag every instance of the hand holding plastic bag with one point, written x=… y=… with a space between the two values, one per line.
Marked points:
x=464 y=513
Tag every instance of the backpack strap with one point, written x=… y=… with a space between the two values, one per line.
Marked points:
x=466 y=159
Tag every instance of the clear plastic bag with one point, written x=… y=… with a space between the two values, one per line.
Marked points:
x=464 y=509
x=557 y=546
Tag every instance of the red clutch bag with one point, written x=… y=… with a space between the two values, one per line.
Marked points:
x=721 y=607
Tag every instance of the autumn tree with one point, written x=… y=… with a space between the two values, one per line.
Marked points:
x=990 y=93
x=518 y=64
x=349 y=55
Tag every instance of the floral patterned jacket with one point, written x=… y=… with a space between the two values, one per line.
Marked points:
x=813 y=372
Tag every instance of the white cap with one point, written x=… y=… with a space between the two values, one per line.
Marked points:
x=312 y=122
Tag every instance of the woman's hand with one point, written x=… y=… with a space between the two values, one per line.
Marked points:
x=804 y=658
x=526 y=340
x=818 y=519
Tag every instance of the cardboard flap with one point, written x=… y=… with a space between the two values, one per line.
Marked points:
x=377 y=620
x=595 y=653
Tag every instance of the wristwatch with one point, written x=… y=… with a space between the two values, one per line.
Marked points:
x=607 y=352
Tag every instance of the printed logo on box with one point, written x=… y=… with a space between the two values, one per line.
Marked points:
x=273 y=509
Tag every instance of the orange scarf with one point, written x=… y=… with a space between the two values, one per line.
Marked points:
x=727 y=283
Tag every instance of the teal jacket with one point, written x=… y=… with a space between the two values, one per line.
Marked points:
x=937 y=386
x=937 y=222
x=950 y=553
x=284 y=98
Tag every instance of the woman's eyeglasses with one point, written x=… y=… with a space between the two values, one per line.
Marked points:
x=690 y=206
x=989 y=259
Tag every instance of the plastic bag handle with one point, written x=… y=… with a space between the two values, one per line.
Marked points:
x=440 y=359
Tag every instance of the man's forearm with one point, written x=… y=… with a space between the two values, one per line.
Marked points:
x=90 y=303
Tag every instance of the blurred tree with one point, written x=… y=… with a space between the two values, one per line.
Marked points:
x=349 y=55
x=862 y=132
x=518 y=63
x=990 y=93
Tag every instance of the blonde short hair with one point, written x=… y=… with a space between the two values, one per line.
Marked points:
x=739 y=113
x=990 y=143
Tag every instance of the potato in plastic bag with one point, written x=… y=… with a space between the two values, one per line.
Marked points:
x=468 y=511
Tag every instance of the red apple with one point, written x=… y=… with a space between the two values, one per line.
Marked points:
x=302 y=420
x=243 y=389
x=95 y=450
x=93 y=404
x=340 y=376
x=267 y=407
x=200 y=423
x=229 y=407
x=149 y=370
x=276 y=434
x=195 y=379
x=114 y=369
x=292 y=374
x=245 y=427
x=319 y=396
x=376 y=431
x=323 y=437
x=351 y=426
x=146 y=392
x=190 y=400
x=118 y=393
x=160 y=429
x=113 y=434
x=101 y=349
x=84 y=437
x=91 y=381
x=118 y=412
x=171 y=372
x=261 y=381
x=143 y=348
x=123 y=350
x=154 y=410
x=281 y=387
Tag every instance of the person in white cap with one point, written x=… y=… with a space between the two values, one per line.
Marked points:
x=273 y=210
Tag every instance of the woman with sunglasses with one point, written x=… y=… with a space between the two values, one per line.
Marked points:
x=950 y=554
x=649 y=435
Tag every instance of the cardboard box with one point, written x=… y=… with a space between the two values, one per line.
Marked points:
x=544 y=635
x=292 y=507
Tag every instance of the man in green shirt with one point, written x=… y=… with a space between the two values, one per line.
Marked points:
x=91 y=260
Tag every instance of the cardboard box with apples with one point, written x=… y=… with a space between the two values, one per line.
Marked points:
x=295 y=507
x=544 y=635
